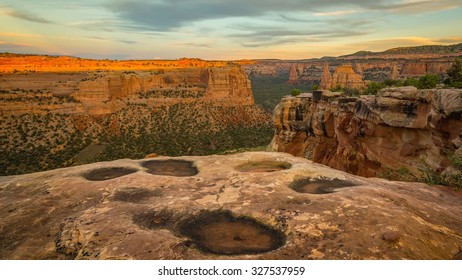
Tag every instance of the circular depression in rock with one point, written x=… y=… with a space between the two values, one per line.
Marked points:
x=171 y=167
x=154 y=220
x=135 y=194
x=320 y=185
x=263 y=166
x=222 y=233
x=108 y=173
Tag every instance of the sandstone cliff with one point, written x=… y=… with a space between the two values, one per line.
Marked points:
x=374 y=70
x=56 y=119
x=344 y=76
x=102 y=93
x=400 y=128
x=326 y=78
x=242 y=206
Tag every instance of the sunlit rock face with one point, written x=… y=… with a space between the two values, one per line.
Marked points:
x=399 y=128
x=254 y=205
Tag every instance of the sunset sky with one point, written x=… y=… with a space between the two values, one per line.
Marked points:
x=224 y=29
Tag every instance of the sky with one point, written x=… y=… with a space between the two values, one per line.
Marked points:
x=224 y=29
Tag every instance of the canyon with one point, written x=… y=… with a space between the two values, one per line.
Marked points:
x=131 y=164
x=69 y=111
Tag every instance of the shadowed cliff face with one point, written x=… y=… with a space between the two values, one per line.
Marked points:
x=223 y=210
x=399 y=129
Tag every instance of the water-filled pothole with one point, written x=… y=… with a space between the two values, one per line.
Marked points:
x=320 y=185
x=171 y=167
x=135 y=194
x=263 y=166
x=222 y=233
x=108 y=173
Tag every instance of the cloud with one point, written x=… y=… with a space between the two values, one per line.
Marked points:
x=259 y=36
x=19 y=48
x=419 y=6
x=166 y=15
x=336 y=13
x=194 y=44
x=24 y=35
x=25 y=15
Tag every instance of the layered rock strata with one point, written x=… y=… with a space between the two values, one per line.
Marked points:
x=344 y=76
x=399 y=129
x=221 y=207
x=102 y=93
x=374 y=70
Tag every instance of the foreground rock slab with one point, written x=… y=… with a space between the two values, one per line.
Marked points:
x=254 y=205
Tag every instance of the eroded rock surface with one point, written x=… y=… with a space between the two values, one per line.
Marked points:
x=400 y=128
x=59 y=214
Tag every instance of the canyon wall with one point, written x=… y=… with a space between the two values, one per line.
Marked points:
x=105 y=92
x=399 y=129
x=379 y=70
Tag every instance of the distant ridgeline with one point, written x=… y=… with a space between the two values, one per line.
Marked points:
x=354 y=71
x=62 y=111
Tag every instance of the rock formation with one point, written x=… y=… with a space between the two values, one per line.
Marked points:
x=293 y=75
x=221 y=207
x=399 y=129
x=370 y=70
x=326 y=78
x=394 y=73
x=104 y=93
x=346 y=77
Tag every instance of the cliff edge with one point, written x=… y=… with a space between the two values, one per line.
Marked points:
x=403 y=129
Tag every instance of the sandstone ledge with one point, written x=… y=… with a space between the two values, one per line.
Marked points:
x=59 y=214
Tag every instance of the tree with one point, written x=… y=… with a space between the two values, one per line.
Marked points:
x=411 y=82
x=455 y=74
x=428 y=81
x=295 y=92
x=373 y=88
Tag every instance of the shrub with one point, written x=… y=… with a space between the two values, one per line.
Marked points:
x=428 y=81
x=336 y=88
x=373 y=88
x=295 y=92
x=455 y=75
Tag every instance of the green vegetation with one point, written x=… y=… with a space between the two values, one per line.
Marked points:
x=401 y=174
x=373 y=88
x=268 y=90
x=428 y=81
x=295 y=92
x=36 y=142
x=424 y=82
x=455 y=75
x=451 y=177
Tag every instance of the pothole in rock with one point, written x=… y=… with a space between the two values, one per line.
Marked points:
x=263 y=166
x=135 y=194
x=108 y=173
x=155 y=220
x=222 y=233
x=171 y=167
x=320 y=185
